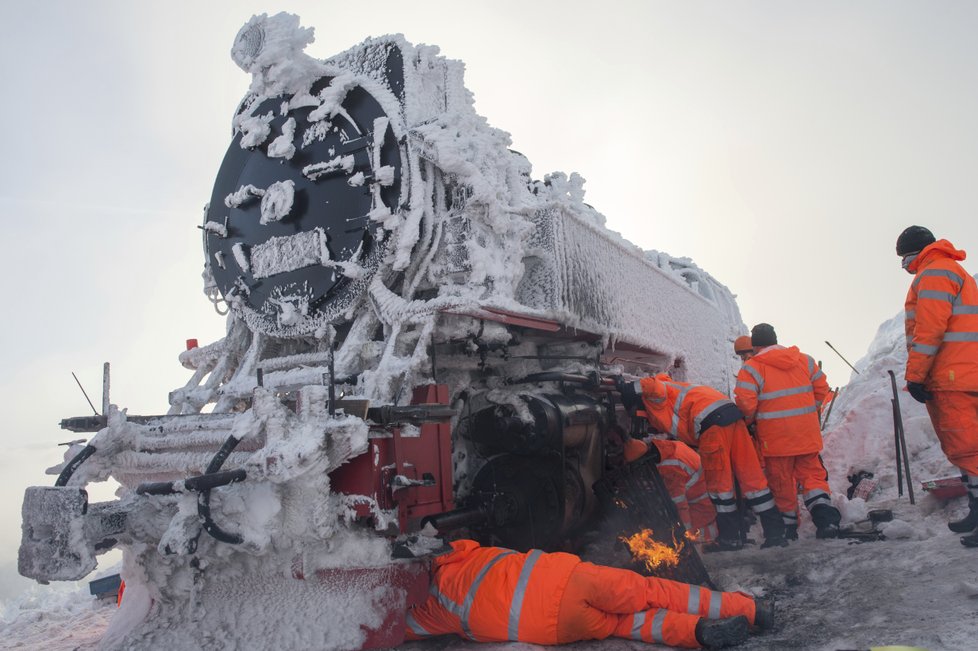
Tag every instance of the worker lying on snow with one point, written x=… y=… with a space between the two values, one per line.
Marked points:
x=704 y=418
x=682 y=473
x=942 y=354
x=780 y=391
x=491 y=594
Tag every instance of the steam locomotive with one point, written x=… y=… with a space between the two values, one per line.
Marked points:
x=421 y=338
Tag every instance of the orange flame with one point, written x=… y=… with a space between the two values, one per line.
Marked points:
x=652 y=552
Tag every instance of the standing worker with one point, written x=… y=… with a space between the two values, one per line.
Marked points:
x=744 y=348
x=704 y=418
x=942 y=354
x=780 y=391
x=491 y=594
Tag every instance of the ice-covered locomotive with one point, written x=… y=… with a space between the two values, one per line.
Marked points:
x=418 y=334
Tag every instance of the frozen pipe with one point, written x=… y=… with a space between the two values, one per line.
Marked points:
x=194 y=484
x=69 y=469
x=472 y=516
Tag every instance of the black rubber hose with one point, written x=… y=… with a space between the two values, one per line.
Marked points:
x=557 y=376
x=72 y=466
x=204 y=498
x=197 y=484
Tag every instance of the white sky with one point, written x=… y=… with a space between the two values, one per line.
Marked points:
x=781 y=145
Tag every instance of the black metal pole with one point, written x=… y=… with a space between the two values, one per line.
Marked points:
x=896 y=446
x=840 y=355
x=901 y=439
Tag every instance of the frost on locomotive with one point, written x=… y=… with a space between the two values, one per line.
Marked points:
x=420 y=338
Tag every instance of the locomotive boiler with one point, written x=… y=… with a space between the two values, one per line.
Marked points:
x=421 y=341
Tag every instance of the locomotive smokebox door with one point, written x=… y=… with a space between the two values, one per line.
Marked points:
x=294 y=228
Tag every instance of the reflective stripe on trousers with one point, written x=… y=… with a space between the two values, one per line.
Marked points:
x=638 y=620
x=724 y=502
x=816 y=496
x=698 y=595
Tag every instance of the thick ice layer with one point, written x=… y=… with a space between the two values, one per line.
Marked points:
x=471 y=224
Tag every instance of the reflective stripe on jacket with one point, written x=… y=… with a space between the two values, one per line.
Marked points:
x=682 y=473
x=942 y=321
x=678 y=408
x=781 y=390
x=490 y=594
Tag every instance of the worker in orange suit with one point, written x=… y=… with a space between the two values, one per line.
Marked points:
x=780 y=390
x=704 y=418
x=491 y=594
x=682 y=473
x=743 y=348
x=942 y=354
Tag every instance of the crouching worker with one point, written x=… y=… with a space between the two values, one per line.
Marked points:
x=704 y=418
x=682 y=473
x=491 y=594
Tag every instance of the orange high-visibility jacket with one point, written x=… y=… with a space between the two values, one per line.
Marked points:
x=682 y=473
x=781 y=390
x=678 y=408
x=679 y=458
x=490 y=594
x=942 y=321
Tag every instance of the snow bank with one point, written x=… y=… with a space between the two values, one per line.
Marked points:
x=859 y=432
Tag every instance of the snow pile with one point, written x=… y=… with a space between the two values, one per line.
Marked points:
x=58 y=617
x=859 y=434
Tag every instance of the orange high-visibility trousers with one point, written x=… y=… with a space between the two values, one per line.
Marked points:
x=954 y=415
x=786 y=473
x=599 y=602
x=727 y=451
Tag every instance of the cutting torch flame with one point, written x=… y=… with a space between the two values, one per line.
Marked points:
x=651 y=552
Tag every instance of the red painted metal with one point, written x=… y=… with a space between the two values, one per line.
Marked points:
x=945 y=488
x=392 y=453
x=406 y=581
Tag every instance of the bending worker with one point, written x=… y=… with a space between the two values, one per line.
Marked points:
x=942 y=354
x=780 y=391
x=491 y=594
x=704 y=418
x=682 y=473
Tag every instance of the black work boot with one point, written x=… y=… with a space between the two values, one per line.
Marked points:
x=773 y=525
x=764 y=613
x=720 y=633
x=970 y=541
x=826 y=518
x=791 y=532
x=728 y=534
x=968 y=522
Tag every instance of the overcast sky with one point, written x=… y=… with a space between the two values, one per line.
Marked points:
x=781 y=145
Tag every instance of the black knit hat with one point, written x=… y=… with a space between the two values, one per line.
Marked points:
x=913 y=240
x=763 y=335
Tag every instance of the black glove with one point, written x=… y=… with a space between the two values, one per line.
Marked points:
x=629 y=396
x=919 y=392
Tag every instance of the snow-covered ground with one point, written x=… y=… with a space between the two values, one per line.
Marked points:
x=918 y=587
